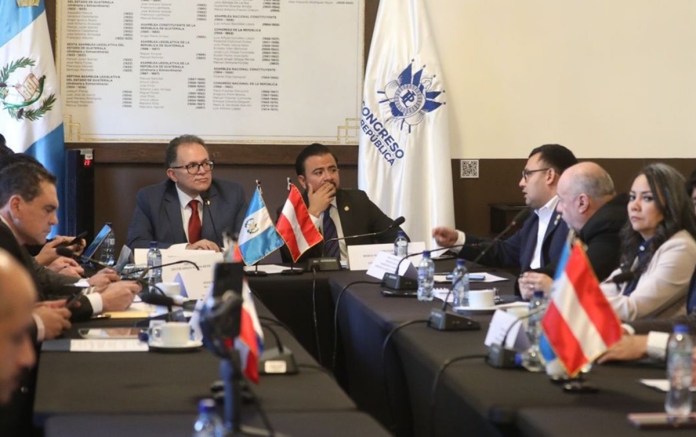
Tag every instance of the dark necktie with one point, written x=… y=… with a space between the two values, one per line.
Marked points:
x=194 y=224
x=329 y=228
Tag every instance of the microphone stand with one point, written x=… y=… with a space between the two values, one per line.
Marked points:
x=442 y=320
x=395 y=281
x=327 y=264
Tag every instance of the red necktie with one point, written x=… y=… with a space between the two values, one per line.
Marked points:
x=194 y=225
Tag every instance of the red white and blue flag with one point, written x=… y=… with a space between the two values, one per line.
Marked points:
x=295 y=226
x=250 y=340
x=258 y=237
x=579 y=323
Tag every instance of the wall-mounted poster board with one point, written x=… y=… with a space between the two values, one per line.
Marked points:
x=232 y=71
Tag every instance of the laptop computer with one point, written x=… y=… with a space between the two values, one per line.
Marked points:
x=97 y=242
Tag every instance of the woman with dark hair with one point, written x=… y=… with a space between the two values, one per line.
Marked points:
x=658 y=248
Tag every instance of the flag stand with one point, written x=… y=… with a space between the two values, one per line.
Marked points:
x=256 y=272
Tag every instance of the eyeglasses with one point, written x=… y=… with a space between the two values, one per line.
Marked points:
x=526 y=173
x=195 y=167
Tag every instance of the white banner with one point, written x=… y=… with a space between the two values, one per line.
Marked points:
x=404 y=158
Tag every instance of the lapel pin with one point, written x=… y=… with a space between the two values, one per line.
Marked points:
x=346 y=208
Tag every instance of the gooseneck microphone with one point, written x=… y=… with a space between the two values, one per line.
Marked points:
x=158 y=298
x=442 y=320
x=326 y=264
x=206 y=205
x=146 y=270
x=395 y=281
x=395 y=224
x=519 y=218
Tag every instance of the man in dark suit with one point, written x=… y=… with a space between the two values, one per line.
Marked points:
x=589 y=205
x=538 y=244
x=336 y=212
x=190 y=207
x=17 y=354
x=28 y=205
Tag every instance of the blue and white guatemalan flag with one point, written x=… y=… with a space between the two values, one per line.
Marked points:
x=31 y=117
x=404 y=156
x=258 y=237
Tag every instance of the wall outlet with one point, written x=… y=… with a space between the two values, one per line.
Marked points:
x=468 y=169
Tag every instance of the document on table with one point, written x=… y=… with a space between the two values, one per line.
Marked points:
x=108 y=345
x=659 y=384
x=94 y=345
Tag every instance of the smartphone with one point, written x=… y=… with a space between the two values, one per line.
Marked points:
x=74 y=296
x=76 y=240
x=109 y=333
x=660 y=421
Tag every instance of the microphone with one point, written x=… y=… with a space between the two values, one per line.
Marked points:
x=206 y=205
x=394 y=281
x=278 y=360
x=146 y=270
x=441 y=320
x=519 y=218
x=327 y=264
x=395 y=224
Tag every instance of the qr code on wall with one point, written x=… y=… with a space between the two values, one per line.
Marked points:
x=468 y=169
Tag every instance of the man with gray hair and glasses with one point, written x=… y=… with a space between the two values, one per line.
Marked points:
x=191 y=207
x=589 y=205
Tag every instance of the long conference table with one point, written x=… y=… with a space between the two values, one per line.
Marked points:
x=153 y=394
x=394 y=382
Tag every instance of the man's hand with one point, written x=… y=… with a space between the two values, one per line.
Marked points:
x=320 y=199
x=66 y=266
x=103 y=277
x=203 y=245
x=118 y=296
x=532 y=281
x=55 y=320
x=445 y=236
x=48 y=251
x=630 y=347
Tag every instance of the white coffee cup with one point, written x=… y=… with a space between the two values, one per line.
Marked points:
x=480 y=299
x=170 y=334
x=171 y=289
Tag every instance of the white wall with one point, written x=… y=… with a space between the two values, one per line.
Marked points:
x=607 y=78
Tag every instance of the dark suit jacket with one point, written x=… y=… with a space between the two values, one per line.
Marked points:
x=358 y=215
x=157 y=215
x=518 y=249
x=49 y=284
x=601 y=236
x=16 y=416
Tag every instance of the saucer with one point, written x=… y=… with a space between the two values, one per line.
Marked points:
x=191 y=346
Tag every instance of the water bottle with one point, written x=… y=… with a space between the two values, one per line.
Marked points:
x=208 y=423
x=531 y=358
x=401 y=245
x=154 y=258
x=108 y=248
x=678 y=400
x=460 y=284
x=426 y=277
